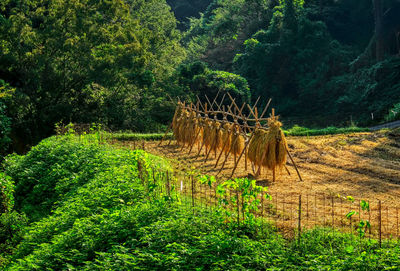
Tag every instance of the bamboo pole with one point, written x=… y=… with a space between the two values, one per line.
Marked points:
x=235 y=121
x=294 y=164
x=165 y=134
x=264 y=154
x=207 y=115
x=215 y=141
x=247 y=143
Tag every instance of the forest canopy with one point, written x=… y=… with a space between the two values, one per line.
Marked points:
x=323 y=62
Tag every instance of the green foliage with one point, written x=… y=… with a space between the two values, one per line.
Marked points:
x=303 y=131
x=109 y=216
x=283 y=62
x=6 y=193
x=394 y=113
x=374 y=89
x=5 y=129
x=185 y=9
x=126 y=136
x=85 y=61
x=116 y=219
x=12 y=225
x=218 y=34
x=197 y=79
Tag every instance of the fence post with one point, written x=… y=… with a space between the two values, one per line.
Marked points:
x=192 y=192
x=238 y=207
x=168 y=186
x=262 y=211
x=299 y=221
x=397 y=222
x=380 y=222
x=333 y=215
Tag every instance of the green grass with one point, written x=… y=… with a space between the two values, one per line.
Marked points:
x=80 y=205
x=303 y=131
x=126 y=136
x=294 y=131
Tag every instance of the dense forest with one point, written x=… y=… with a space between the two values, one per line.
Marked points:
x=118 y=63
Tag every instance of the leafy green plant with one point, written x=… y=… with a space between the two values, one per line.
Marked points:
x=6 y=193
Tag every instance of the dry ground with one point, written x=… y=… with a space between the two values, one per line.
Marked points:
x=362 y=165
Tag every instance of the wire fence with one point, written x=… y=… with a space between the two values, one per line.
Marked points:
x=292 y=213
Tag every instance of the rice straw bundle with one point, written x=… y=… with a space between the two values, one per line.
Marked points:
x=226 y=137
x=207 y=131
x=191 y=128
x=276 y=145
x=182 y=127
x=175 y=120
x=257 y=146
x=200 y=126
x=215 y=136
x=237 y=140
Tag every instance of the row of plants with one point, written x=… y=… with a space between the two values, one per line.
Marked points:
x=294 y=131
x=83 y=205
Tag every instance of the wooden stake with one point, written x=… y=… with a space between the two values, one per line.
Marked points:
x=294 y=164
x=273 y=174
x=380 y=222
x=165 y=134
x=299 y=220
x=247 y=143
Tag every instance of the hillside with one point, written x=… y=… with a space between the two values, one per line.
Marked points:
x=93 y=207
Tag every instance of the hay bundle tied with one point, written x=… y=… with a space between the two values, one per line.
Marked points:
x=207 y=131
x=257 y=146
x=226 y=137
x=175 y=120
x=182 y=124
x=276 y=145
x=215 y=136
x=237 y=141
x=191 y=128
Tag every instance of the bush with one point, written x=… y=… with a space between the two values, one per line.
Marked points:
x=6 y=193
x=11 y=233
x=5 y=129
x=394 y=113
x=197 y=79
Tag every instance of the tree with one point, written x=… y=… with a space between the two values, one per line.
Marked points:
x=68 y=59
x=378 y=14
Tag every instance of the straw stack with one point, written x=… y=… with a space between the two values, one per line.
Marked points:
x=237 y=140
x=276 y=145
x=226 y=137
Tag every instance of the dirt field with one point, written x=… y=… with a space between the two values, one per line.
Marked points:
x=362 y=165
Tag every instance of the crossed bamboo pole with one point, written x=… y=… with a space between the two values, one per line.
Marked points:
x=236 y=115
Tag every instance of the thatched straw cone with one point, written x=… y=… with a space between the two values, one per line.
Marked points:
x=237 y=140
x=226 y=137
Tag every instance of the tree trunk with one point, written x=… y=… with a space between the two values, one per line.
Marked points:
x=378 y=13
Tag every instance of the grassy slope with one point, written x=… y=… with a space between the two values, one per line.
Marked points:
x=99 y=216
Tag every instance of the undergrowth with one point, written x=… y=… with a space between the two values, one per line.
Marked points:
x=81 y=205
